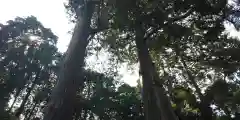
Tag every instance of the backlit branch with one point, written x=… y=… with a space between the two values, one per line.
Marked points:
x=171 y=20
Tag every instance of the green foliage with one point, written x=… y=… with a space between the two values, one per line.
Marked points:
x=27 y=48
x=197 y=62
x=28 y=73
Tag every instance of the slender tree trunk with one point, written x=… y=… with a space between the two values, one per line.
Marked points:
x=77 y=115
x=15 y=99
x=21 y=108
x=154 y=97
x=191 y=78
x=61 y=105
x=204 y=106
x=18 y=92
x=27 y=114
x=31 y=112
x=88 y=96
x=85 y=114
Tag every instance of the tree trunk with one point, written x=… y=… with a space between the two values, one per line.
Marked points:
x=15 y=99
x=19 y=91
x=21 y=108
x=61 y=105
x=156 y=102
x=85 y=114
x=204 y=106
x=77 y=115
x=31 y=112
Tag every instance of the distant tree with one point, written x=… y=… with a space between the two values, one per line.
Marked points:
x=27 y=50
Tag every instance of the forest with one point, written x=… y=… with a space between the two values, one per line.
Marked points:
x=189 y=68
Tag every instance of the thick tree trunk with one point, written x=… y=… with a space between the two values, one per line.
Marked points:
x=151 y=111
x=156 y=102
x=61 y=105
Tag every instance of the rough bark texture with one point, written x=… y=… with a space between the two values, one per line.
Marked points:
x=156 y=104
x=61 y=105
x=151 y=111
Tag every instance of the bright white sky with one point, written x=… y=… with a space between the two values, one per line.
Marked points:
x=52 y=14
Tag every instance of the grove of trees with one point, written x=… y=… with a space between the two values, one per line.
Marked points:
x=189 y=65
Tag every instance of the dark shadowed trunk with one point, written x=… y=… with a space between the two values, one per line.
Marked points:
x=151 y=111
x=156 y=103
x=61 y=105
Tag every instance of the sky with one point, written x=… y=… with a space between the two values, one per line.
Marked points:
x=52 y=14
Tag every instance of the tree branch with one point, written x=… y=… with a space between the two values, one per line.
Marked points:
x=169 y=21
x=96 y=30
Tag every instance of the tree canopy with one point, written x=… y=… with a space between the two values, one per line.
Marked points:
x=189 y=64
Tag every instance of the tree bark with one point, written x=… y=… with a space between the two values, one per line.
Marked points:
x=156 y=102
x=61 y=105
